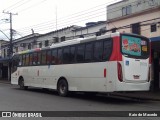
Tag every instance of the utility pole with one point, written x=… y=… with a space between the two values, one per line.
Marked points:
x=10 y=44
x=11 y=32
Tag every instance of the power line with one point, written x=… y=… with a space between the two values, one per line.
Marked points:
x=34 y=5
x=129 y=26
x=87 y=11
x=5 y=35
x=17 y=5
x=51 y=26
x=83 y=12
x=24 y=2
x=45 y=0
x=73 y=18
x=14 y=4
x=123 y=27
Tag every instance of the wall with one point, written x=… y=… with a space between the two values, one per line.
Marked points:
x=51 y=37
x=90 y=29
x=115 y=10
x=145 y=30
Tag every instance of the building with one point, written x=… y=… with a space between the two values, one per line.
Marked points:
x=69 y=33
x=90 y=29
x=3 y=60
x=20 y=44
x=60 y=35
x=25 y=43
x=2 y=42
x=139 y=17
x=36 y=40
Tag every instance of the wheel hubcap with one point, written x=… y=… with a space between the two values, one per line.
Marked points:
x=62 y=88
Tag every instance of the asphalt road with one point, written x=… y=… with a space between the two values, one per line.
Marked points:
x=34 y=99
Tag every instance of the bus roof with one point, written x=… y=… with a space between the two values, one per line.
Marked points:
x=83 y=40
x=71 y=42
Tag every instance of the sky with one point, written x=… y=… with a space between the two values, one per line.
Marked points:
x=48 y=15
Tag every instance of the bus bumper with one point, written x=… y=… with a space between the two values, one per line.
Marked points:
x=133 y=86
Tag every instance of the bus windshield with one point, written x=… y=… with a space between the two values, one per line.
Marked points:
x=134 y=46
x=15 y=62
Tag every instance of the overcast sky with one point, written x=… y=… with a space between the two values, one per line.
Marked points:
x=48 y=15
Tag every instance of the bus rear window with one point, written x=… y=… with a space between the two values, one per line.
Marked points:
x=134 y=46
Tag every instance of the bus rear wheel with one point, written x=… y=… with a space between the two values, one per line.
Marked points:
x=62 y=88
x=21 y=84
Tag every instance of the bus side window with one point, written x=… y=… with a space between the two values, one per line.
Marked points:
x=107 y=49
x=15 y=62
x=35 y=58
x=72 y=54
x=54 y=56
x=31 y=59
x=88 y=52
x=80 y=53
x=20 y=60
x=23 y=60
x=48 y=57
x=66 y=55
x=43 y=57
x=27 y=60
x=98 y=50
x=60 y=56
x=39 y=58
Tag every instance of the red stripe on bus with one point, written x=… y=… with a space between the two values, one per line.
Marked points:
x=116 y=51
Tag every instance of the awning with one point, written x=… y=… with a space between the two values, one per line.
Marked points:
x=154 y=39
x=6 y=59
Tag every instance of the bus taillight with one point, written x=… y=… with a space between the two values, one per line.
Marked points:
x=105 y=72
x=120 y=75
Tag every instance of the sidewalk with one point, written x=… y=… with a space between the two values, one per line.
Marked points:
x=5 y=81
x=147 y=95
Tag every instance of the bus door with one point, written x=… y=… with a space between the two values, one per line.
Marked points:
x=48 y=70
x=135 y=52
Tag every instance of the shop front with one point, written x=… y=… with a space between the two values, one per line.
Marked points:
x=4 y=68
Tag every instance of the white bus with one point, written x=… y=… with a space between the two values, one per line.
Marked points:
x=107 y=63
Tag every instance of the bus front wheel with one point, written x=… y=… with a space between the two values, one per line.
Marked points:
x=62 y=88
x=21 y=84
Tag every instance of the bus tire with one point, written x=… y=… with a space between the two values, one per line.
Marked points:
x=62 y=88
x=21 y=84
